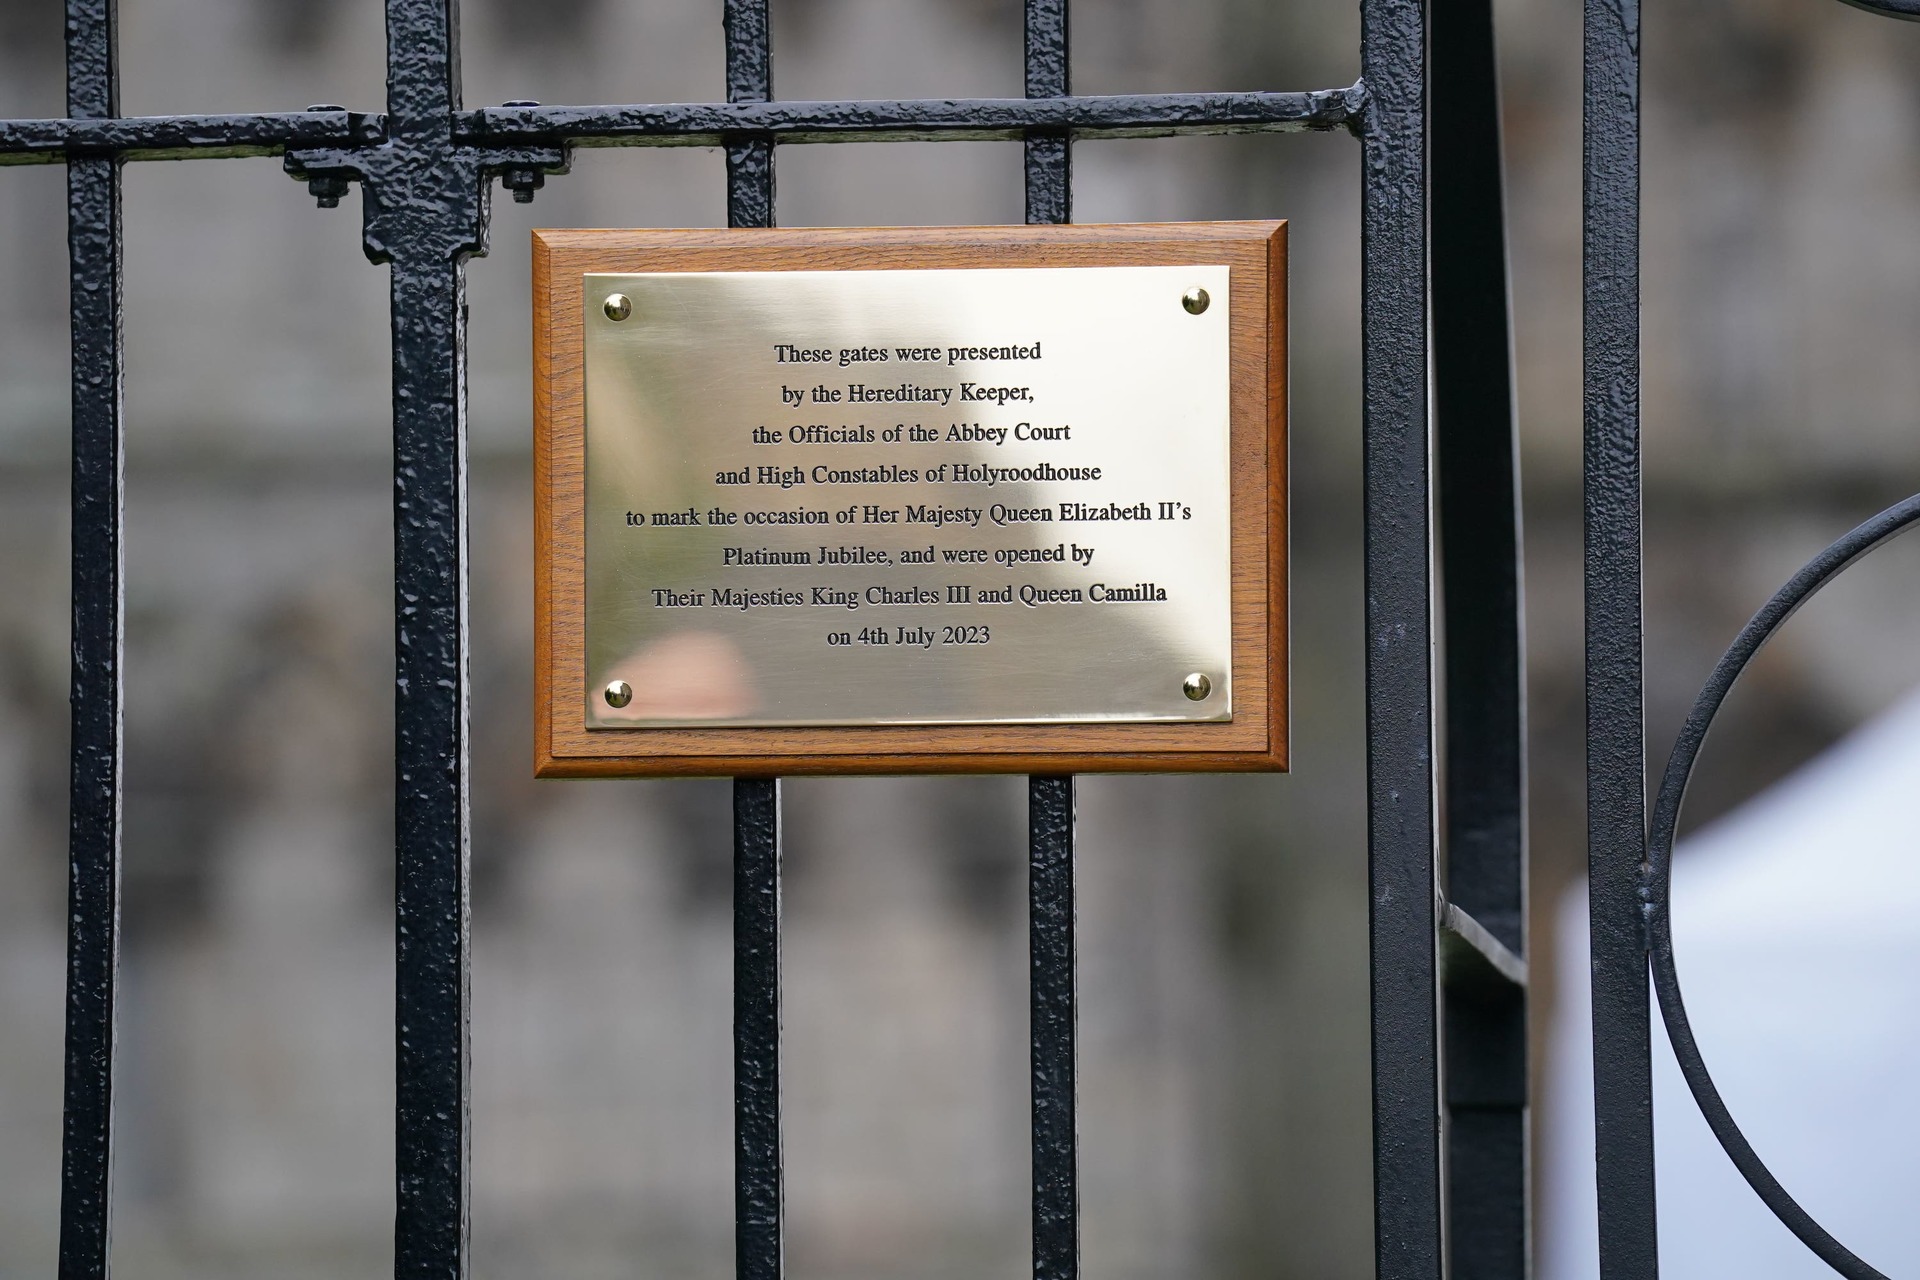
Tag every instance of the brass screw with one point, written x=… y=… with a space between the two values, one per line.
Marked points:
x=619 y=306
x=1195 y=686
x=620 y=693
x=1195 y=300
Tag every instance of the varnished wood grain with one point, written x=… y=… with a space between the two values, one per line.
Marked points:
x=1256 y=738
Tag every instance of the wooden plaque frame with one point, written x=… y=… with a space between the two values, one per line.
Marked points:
x=1255 y=739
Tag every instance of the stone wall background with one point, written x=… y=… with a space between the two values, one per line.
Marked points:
x=1224 y=1122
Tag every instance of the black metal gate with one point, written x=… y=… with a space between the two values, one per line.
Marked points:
x=1450 y=1077
x=1630 y=859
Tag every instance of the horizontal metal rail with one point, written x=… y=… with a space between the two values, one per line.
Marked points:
x=179 y=137
x=922 y=119
x=698 y=124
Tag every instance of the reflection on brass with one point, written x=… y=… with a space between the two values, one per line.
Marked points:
x=907 y=497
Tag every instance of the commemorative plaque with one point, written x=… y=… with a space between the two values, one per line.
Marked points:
x=896 y=501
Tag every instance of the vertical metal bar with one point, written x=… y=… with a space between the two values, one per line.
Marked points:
x=1050 y=906
x=1054 y=1011
x=759 y=1185
x=1055 y=1000
x=1400 y=747
x=1616 y=739
x=430 y=770
x=426 y=199
x=1049 y=157
x=749 y=79
x=1476 y=456
x=93 y=885
x=758 y=1188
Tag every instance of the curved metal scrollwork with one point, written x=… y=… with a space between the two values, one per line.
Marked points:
x=1906 y=9
x=1821 y=570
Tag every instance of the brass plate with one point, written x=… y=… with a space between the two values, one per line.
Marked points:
x=1020 y=514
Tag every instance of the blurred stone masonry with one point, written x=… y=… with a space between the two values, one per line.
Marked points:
x=1224 y=1036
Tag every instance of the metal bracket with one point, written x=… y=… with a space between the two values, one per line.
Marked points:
x=404 y=182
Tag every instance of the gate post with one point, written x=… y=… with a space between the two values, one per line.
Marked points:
x=1399 y=637
x=1616 y=734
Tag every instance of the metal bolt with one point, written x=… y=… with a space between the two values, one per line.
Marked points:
x=618 y=306
x=1195 y=300
x=523 y=183
x=327 y=188
x=620 y=693
x=1197 y=686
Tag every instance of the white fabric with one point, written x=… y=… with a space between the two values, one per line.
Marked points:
x=1796 y=924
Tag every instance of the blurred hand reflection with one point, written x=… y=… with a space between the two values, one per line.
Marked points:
x=689 y=675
